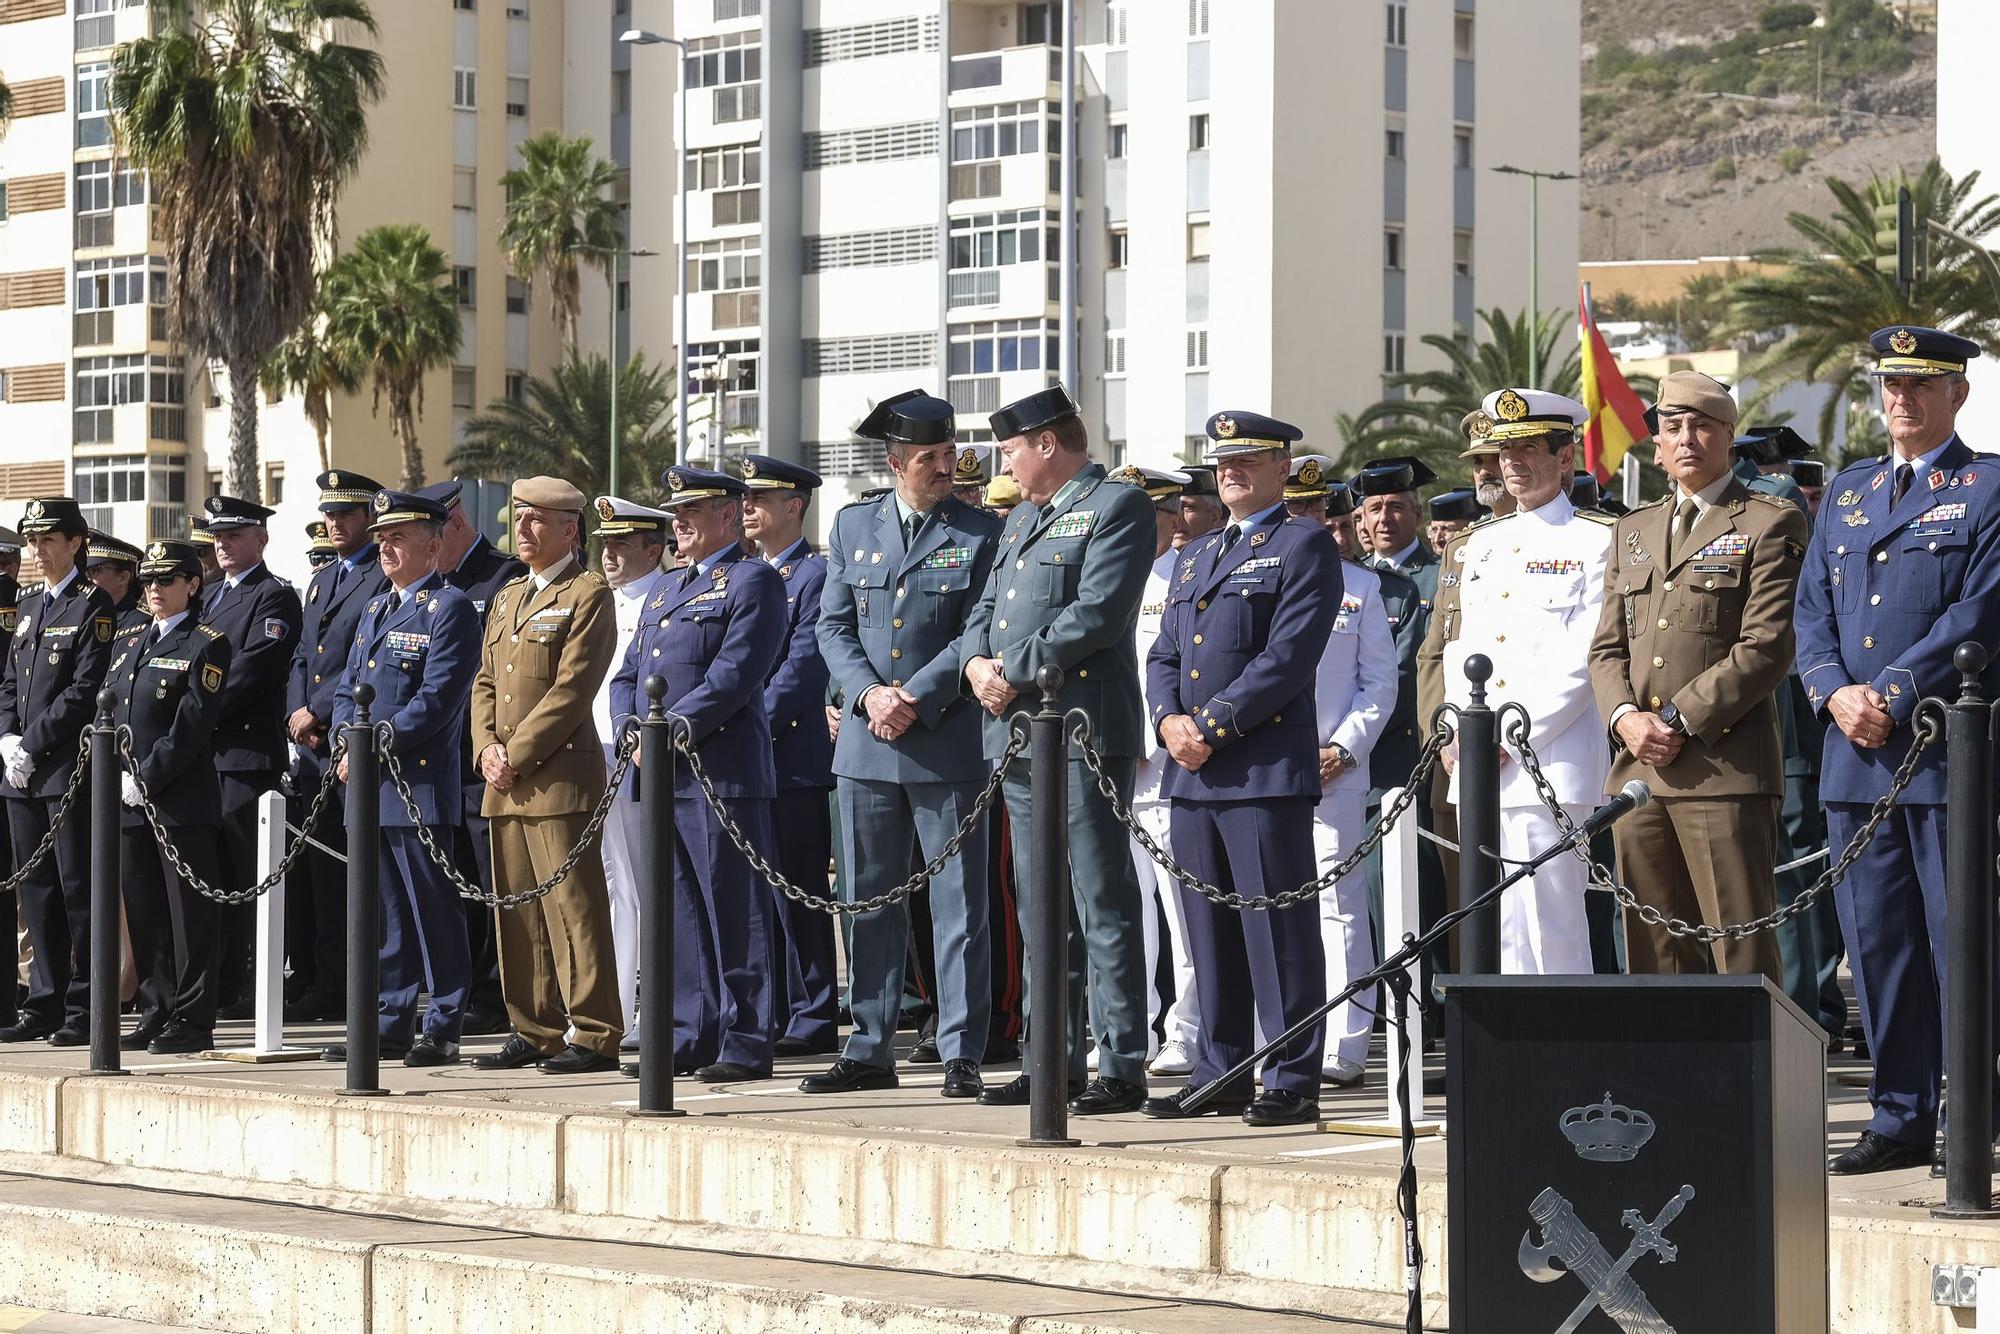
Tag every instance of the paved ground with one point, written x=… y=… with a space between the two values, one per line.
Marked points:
x=27 y=1320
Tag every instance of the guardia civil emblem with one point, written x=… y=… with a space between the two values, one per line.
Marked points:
x=1902 y=342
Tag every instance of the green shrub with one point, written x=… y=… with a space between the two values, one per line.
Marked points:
x=1723 y=170
x=1793 y=159
x=1784 y=18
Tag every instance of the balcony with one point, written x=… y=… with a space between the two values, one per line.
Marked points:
x=972 y=287
x=92 y=328
x=94 y=230
x=1019 y=73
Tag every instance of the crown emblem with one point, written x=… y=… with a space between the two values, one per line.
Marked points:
x=968 y=461
x=1480 y=426
x=1309 y=473
x=333 y=481
x=605 y=510
x=676 y=482
x=1511 y=406
x=34 y=509
x=1128 y=474
x=1902 y=342
x=749 y=467
x=157 y=551
x=381 y=502
x=1607 y=1132
x=1225 y=426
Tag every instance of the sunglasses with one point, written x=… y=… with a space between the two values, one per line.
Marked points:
x=160 y=580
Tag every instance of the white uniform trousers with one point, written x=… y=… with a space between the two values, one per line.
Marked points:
x=621 y=878
x=1543 y=929
x=1183 y=1017
x=1339 y=820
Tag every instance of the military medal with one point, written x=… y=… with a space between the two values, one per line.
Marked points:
x=784 y=571
x=1937 y=480
x=1855 y=520
x=1849 y=497
x=1877 y=482
x=1259 y=539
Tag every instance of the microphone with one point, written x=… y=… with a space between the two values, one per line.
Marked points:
x=1633 y=795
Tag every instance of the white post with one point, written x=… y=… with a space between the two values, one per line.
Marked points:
x=268 y=1040
x=1400 y=918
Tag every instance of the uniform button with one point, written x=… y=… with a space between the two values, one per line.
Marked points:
x=1059 y=558
x=1499 y=685
x=513 y=639
x=315 y=678
x=1725 y=731
x=1197 y=639
x=1659 y=662
x=1663 y=622
x=1669 y=585
x=371 y=662
x=320 y=649
x=1020 y=564
x=1010 y=595
x=656 y=653
x=1874 y=599
x=1083 y=673
x=1003 y=625
x=1277 y=717
x=1933 y=546
x=1504 y=593
x=895 y=653
x=507 y=699
x=1708 y=583
x=1868 y=641
x=1654 y=701
x=1499 y=639
x=1881 y=556
x=1840 y=551
x=900 y=591
x=898 y=681
x=896 y=624
x=1194 y=673
x=1201 y=606
x=510 y=666
x=422 y=763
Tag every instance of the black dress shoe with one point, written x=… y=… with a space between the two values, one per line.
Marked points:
x=1279 y=1108
x=729 y=1072
x=961 y=1080
x=69 y=1036
x=427 y=1050
x=178 y=1039
x=26 y=1030
x=845 y=1076
x=575 y=1060
x=1106 y=1097
x=1174 y=1106
x=315 y=1007
x=139 y=1037
x=243 y=1007
x=926 y=1050
x=515 y=1054
x=385 y=1050
x=1000 y=1051
x=483 y=1023
x=1878 y=1153
x=825 y=1046
x=1014 y=1093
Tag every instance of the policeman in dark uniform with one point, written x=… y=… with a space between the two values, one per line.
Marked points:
x=48 y=696
x=114 y=567
x=774 y=514
x=478 y=569
x=168 y=674
x=417 y=646
x=1810 y=474
x=204 y=544
x=1231 y=687
x=319 y=547
x=1904 y=568
x=10 y=597
x=316 y=926
x=714 y=632
x=259 y=613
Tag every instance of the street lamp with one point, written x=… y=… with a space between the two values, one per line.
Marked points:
x=612 y=254
x=1535 y=179
x=643 y=37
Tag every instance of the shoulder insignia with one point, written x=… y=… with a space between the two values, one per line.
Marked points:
x=210 y=631
x=1794 y=549
x=1649 y=505
x=591 y=575
x=211 y=677
x=102 y=627
x=1597 y=516
x=135 y=631
x=1772 y=498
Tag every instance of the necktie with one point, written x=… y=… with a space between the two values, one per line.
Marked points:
x=216 y=601
x=339 y=573
x=1683 y=523
x=153 y=637
x=1229 y=536
x=1905 y=474
x=912 y=525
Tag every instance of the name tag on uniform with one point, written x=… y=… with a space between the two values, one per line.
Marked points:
x=170 y=664
x=1561 y=566
x=1729 y=544
x=946 y=558
x=1720 y=568
x=1073 y=525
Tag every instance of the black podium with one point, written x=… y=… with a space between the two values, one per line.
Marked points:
x=1645 y=1154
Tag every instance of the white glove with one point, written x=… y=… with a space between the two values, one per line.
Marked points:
x=129 y=790
x=12 y=752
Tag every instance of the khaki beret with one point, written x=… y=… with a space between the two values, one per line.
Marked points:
x=548 y=493
x=1691 y=391
x=1003 y=491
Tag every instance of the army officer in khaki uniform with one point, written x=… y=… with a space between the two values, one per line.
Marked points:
x=1694 y=639
x=550 y=638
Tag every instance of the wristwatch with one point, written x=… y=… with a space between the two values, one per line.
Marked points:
x=1344 y=755
x=1671 y=716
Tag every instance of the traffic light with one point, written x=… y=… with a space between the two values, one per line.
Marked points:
x=1896 y=240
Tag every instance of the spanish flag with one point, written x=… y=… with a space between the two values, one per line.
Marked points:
x=1617 y=418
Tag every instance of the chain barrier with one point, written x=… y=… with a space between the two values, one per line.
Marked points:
x=1782 y=867
x=1418 y=782
x=627 y=745
x=820 y=902
x=1928 y=730
x=186 y=872
x=48 y=843
x=299 y=833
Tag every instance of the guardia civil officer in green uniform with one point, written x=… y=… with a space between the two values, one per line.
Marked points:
x=1065 y=592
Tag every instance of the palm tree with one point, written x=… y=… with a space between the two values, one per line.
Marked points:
x=1828 y=295
x=307 y=364
x=391 y=314
x=558 y=200
x=250 y=118
x=6 y=106
x=560 y=426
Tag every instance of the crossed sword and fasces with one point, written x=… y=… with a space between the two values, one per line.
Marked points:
x=1566 y=1238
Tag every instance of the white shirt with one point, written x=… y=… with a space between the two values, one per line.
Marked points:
x=795 y=549
x=1152 y=766
x=541 y=579
x=1401 y=560
x=628 y=603
x=1355 y=689
x=161 y=629
x=55 y=590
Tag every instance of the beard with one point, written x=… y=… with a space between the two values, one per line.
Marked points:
x=1489 y=493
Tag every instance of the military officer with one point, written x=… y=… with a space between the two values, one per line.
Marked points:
x=260 y=615
x=473 y=566
x=10 y=597
x=1003 y=493
x=1904 y=569
x=774 y=517
x=1452 y=512
x=1694 y=640
x=1202 y=511
x=320 y=551
x=634 y=541
x=1810 y=474
x=549 y=638
x=1528 y=590
x=48 y=695
x=1065 y=592
x=714 y=631
x=1175 y=1018
x=968 y=475
x=903 y=573
x=168 y=674
x=204 y=542
x=114 y=567
x=316 y=925
x=10 y=554
x=1246 y=626
x=417 y=646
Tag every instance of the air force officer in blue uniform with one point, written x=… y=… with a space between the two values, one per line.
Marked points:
x=1231 y=687
x=417 y=645
x=1903 y=567
x=713 y=630
x=1065 y=592
x=903 y=573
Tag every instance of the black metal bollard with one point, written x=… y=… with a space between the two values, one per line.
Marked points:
x=106 y=874
x=657 y=850
x=1478 y=819
x=1968 y=1050
x=364 y=903
x=1048 y=922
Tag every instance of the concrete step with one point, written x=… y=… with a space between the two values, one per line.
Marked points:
x=242 y=1265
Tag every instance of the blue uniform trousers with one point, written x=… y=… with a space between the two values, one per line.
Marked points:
x=722 y=938
x=801 y=844
x=1106 y=927
x=1275 y=959
x=423 y=942
x=882 y=826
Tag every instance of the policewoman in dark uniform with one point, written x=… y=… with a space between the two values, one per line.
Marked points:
x=168 y=674
x=1231 y=685
x=48 y=696
x=113 y=565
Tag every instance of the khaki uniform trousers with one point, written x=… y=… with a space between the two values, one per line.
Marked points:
x=556 y=954
x=1701 y=859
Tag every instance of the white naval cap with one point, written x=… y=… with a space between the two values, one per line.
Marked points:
x=1522 y=414
x=1157 y=483
x=618 y=516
